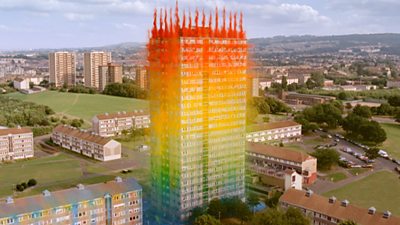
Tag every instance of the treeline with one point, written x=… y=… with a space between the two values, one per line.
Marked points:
x=235 y=208
x=128 y=88
x=383 y=94
x=357 y=123
x=15 y=112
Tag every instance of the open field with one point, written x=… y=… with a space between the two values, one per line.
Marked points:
x=64 y=170
x=84 y=106
x=337 y=176
x=376 y=190
x=393 y=139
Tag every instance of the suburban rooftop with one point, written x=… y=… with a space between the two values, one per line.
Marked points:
x=16 y=130
x=48 y=200
x=85 y=135
x=278 y=152
x=272 y=126
x=123 y=114
x=342 y=210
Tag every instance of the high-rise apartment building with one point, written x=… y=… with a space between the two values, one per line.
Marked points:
x=113 y=202
x=111 y=73
x=141 y=78
x=62 y=68
x=198 y=111
x=16 y=143
x=91 y=63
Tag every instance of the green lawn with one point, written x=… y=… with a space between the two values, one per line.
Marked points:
x=357 y=171
x=49 y=170
x=378 y=190
x=335 y=177
x=84 y=106
x=391 y=145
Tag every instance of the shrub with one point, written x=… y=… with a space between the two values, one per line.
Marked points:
x=32 y=182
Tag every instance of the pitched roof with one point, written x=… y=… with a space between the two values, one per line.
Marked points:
x=320 y=204
x=278 y=152
x=66 y=197
x=84 y=135
x=107 y=116
x=18 y=79
x=273 y=125
x=8 y=131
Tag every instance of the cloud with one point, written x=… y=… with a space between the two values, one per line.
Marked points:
x=78 y=17
x=3 y=27
x=123 y=26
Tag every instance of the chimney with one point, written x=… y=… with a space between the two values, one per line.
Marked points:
x=106 y=113
x=345 y=203
x=118 y=179
x=372 y=211
x=332 y=199
x=46 y=193
x=9 y=200
x=387 y=214
x=309 y=193
x=19 y=127
x=80 y=187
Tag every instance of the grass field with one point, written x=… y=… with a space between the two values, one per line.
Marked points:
x=393 y=139
x=84 y=106
x=375 y=190
x=335 y=177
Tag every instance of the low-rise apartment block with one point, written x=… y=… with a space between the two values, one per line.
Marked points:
x=113 y=202
x=266 y=160
x=86 y=143
x=16 y=143
x=112 y=124
x=282 y=131
x=330 y=211
x=305 y=99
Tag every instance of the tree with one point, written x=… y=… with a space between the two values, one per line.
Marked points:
x=206 y=220
x=273 y=200
x=295 y=217
x=342 y=95
x=372 y=132
x=326 y=158
x=292 y=216
x=347 y=222
x=19 y=187
x=269 y=217
x=216 y=208
x=316 y=80
x=252 y=200
x=329 y=114
x=76 y=123
x=394 y=100
x=363 y=111
x=372 y=153
x=348 y=106
x=32 y=182
x=284 y=83
x=195 y=213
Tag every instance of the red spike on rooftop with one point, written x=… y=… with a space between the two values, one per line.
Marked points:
x=224 y=22
x=235 y=24
x=154 y=31
x=196 y=21
x=216 y=29
x=230 y=25
x=177 y=22
x=166 y=21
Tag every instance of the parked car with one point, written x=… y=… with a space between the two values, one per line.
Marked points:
x=367 y=166
x=397 y=169
x=383 y=154
x=396 y=161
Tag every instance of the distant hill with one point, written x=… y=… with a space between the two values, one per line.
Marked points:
x=388 y=43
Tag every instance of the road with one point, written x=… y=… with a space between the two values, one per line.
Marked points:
x=322 y=186
x=384 y=120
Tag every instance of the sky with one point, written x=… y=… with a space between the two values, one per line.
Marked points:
x=31 y=24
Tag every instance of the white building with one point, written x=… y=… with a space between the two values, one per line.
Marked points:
x=86 y=143
x=293 y=180
x=21 y=84
x=282 y=131
x=16 y=143
x=108 y=125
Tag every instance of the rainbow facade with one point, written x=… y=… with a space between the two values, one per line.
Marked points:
x=198 y=109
